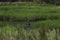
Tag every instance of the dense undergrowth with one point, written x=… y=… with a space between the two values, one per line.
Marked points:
x=48 y=29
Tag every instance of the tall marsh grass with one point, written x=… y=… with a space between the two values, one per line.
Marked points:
x=29 y=10
x=9 y=32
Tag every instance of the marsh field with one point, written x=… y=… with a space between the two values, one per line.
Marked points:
x=29 y=21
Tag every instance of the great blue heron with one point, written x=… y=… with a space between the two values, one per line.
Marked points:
x=27 y=20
